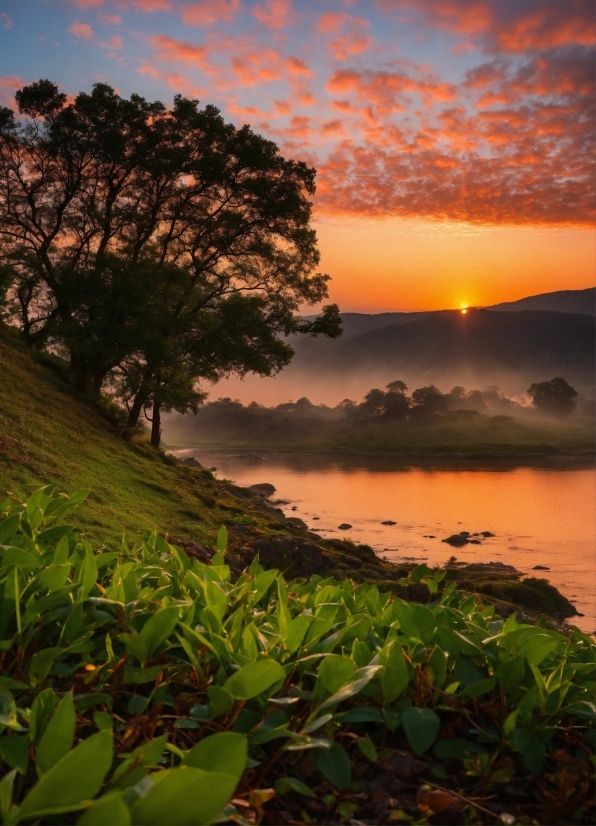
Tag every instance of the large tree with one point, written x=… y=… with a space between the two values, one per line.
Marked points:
x=556 y=396
x=128 y=227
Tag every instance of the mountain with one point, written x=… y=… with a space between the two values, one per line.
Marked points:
x=561 y=301
x=482 y=346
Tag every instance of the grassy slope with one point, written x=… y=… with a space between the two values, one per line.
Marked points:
x=46 y=436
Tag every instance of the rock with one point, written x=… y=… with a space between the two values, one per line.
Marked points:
x=212 y=469
x=389 y=522
x=464 y=533
x=190 y=462
x=344 y=526
x=316 y=518
x=475 y=542
x=280 y=501
x=262 y=489
x=456 y=539
x=432 y=536
x=289 y=553
x=294 y=508
x=540 y=568
x=296 y=522
x=486 y=533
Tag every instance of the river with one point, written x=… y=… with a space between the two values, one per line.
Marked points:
x=540 y=515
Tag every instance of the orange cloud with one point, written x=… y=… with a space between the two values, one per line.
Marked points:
x=169 y=50
x=115 y=42
x=82 y=31
x=8 y=86
x=274 y=14
x=387 y=90
x=209 y=11
x=151 y=6
x=5 y=21
x=110 y=19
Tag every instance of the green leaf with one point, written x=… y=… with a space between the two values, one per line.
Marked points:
x=220 y=700
x=531 y=748
x=334 y=764
x=58 y=737
x=479 y=688
x=394 y=677
x=421 y=726
x=223 y=752
x=40 y=665
x=334 y=672
x=222 y=539
x=158 y=628
x=368 y=748
x=6 y=787
x=353 y=688
x=455 y=748
x=74 y=779
x=110 y=808
x=9 y=528
x=55 y=576
x=56 y=532
x=366 y=714
x=292 y=784
x=88 y=573
x=14 y=750
x=18 y=558
x=41 y=712
x=511 y=673
x=254 y=678
x=536 y=648
x=184 y=796
x=8 y=710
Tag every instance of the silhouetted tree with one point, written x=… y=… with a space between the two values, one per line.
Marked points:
x=116 y=212
x=554 y=396
x=429 y=401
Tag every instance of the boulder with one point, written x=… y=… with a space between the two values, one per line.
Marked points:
x=464 y=533
x=456 y=539
x=486 y=533
x=475 y=542
x=297 y=522
x=263 y=489
x=344 y=526
x=540 y=568
x=389 y=522
x=190 y=461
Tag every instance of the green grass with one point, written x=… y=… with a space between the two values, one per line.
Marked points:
x=46 y=436
x=475 y=437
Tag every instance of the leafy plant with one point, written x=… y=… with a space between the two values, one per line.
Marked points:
x=141 y=686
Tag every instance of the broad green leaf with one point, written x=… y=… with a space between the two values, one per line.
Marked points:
x=254 y=678
x=184 y=796
x=58 y=737
x=40 y=665
x=222 y=539
x=511 y=673
x=74 y=779
x=479 y=688
x=296 y=632
x=55 y=576
x=368 y=748
x=292 y=784
x=14 y=750
x=536 y=648
x=421 y=726
x=531 y=748
x=41 y=712
x=223 y=752
x=334 y=672
x=334 y=764
x=8 y=709
x=394 y=677
x=352 y=689
x=88 y=572
x=220 y=700
x=109 y=809
x=158 y=628
x=6 y=788
x=17 y=557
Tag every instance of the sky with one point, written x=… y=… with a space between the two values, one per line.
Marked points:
x=453 y=139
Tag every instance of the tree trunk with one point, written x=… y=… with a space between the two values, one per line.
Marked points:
x=156 y=424
x=79 y=375
x=137 y=406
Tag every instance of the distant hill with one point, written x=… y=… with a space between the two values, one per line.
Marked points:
x=481 y=346
x=561 y=301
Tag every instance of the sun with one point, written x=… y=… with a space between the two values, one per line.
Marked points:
x=464 y=309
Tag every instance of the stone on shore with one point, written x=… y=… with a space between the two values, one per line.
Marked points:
x=263 y=489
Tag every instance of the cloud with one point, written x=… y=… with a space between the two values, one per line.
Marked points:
x=151 y=6
x=210 y=11
x=5 y=21
x=388 y=90
x=115 y=43
x=8 y=86
x=274 y=14
x=110 y=19
x=82 y=31
x=507 y=25
x=169 y=50
x=352 y=33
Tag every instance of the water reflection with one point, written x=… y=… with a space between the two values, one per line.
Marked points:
x=543 y=514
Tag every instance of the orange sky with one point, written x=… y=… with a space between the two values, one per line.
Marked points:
x=453 y=139
x=400 y=264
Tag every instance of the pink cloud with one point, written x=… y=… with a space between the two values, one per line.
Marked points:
x=298 y=67
x=169 y=50
x=8 y=86
x=82 y=31
x=209 y=11
x=115 y=42
x=388 y=90
x=151 y=6
x=5 y=21
x=110 y=19
x=274 y=14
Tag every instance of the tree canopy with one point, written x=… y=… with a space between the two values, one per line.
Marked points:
x=555 y=396
x=160 y=243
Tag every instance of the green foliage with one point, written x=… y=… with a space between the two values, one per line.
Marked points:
x=143 y=684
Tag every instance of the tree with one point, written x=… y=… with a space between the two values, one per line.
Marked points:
x=429 y=401
x=554 y=396
x=128 y=227
x=397 y=387
x=397 y=404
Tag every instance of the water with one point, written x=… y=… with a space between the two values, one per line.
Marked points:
x=540 y=515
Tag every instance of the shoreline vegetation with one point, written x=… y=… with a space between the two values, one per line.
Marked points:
x=471 y=425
